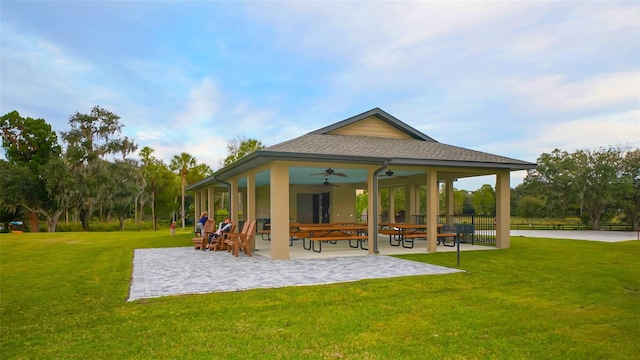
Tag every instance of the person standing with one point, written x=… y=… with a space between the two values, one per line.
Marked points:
x=173 y=228
x=200 y=225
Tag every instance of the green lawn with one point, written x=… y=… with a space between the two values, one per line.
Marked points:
x=63 y=296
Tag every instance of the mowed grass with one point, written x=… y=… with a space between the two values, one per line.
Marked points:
x=63 y=296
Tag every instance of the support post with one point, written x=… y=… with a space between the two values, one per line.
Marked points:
x=433 y=202
x=251 y=203
x=503 y=210
x=279 y=193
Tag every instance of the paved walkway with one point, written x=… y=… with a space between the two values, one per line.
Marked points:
x=183 y=270
x=593 y=235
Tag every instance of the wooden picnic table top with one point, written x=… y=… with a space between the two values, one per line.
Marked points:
x=322 y=227
x=406 y=225
x=292 y=225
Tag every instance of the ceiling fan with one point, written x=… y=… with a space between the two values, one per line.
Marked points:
x=327 y=183
x=390 y=174
x=330 y=171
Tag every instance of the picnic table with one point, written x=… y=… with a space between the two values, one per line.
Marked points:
x=294 y=232
x=405 y=233
x=332 y=233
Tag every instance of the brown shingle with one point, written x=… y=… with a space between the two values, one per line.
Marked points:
x=375 y=147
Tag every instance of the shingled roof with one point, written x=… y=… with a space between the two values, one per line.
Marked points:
x=409 y=151
x=395 y=143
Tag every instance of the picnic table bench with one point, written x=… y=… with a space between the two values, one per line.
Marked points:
x=294 y=232
x=299 y=231
x=404 y=234
x=333 y=233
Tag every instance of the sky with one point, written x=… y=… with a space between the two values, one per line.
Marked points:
x=516 y=79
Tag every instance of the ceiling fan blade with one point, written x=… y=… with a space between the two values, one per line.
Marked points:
x=329 y=174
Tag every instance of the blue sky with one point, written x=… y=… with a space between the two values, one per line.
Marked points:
x=510 y=78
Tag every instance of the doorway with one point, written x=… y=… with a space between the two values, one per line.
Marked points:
x=313 y=208
x=326 y=203
x=308 y=208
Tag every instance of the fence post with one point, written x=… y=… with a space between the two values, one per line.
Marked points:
x=473 y=222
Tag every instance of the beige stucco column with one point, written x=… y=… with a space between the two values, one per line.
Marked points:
x=392 y=204
x=371 y=230
x=251 y=203
x=203 y=201
x=433 y=202
x=198 y=206
x=233 y=201
x=409 y=203
x=279 y=193
x=211 y=206
x=448 y=203
x=503 y=210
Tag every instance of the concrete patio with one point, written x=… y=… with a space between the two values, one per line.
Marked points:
x=183 y=270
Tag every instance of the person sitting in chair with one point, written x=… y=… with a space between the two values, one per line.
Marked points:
x=224 y=227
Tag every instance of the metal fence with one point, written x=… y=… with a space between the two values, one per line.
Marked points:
x=485 y=227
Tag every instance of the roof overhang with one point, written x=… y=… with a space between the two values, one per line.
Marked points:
x=457 y=169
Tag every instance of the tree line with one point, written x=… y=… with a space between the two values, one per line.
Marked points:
x=590 y=185
x=89 y=173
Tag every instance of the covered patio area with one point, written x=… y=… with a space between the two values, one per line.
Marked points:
x=315 y=179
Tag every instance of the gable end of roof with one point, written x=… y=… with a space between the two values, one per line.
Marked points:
x=382 y=115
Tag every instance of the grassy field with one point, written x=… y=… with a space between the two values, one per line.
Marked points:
x=63 y=296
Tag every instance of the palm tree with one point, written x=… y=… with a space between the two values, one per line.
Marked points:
x=240 y=147
x=148 y=161
x=182 y=164
x=198 y=172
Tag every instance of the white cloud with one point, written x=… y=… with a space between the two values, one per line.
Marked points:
x=581 y=133
x=558 y=93
x=593 y=132
x=33 y=68
x=532 y=43
x=145 y=136
x=380 y=27
x=396 y=37
x=207 y=150
x=157 y=74
x=43 y=79
x=461 y=46
x=582 y=28
x=202 y=105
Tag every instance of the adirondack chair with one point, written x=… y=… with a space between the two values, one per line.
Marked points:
x=200 y=241
x=242 y=240
x=225 y=243
x=218 y=243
